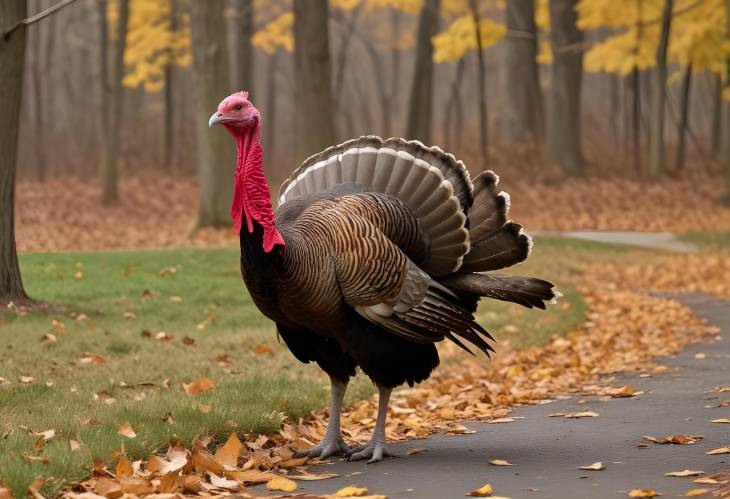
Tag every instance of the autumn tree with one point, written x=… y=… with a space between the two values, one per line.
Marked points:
x=726 y=106
x=523 y=113
x=421 y=99
x=112 y=103
x=563 y=130
x=242 y=50
x=657 y=153
x=12 y=56
x=313 y=113
x=215 y=157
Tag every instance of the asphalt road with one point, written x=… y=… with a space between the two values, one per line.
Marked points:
x=546 y=451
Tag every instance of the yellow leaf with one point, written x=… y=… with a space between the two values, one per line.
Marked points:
x=351 y=492
x=123 y=468
x=720 y=450
x=721 y=421
x=198 y=386
x=483 y=491
x=696 y=492
x=281 y=483
x=500 y=462
x=644 y=493
x=685 y=473
x=227 y=455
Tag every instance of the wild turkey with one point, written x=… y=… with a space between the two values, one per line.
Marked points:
x=370 y=259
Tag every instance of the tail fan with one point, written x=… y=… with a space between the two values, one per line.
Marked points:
x=526 y=291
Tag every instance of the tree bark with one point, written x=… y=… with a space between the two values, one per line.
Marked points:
x=481 y=88
x=38 y=107
x=683 y=119
x=716 y=115
x=453 y=112
x=242 y=24
x=636 y=119
x=563 y=128
x=420 y=104
x=314 y=119
x=657 y=152
x=216 y=159
x=169 y=117
x=523 y=119
x=726 y=107
x=12 y=57
x=109 y=189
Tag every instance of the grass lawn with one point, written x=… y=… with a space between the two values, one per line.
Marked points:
x=130 y=327
x=708 y=240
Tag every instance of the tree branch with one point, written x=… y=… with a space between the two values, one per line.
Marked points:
x=38 y=17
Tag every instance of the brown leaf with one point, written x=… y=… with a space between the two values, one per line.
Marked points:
x=222 y=482
x=261 y=349
x=108 y=487
x=198 y=386
x=188 y=341
x=582 y=414
x=696 y=492
x=169 y=483
x=251 y=477
x=126 y=430
x=716 y=478
x=483 y=491
x=123 y=468
x=227 y=454
x=135 y=486
x=500 y=462
x=31 y=458
x=73 y=445
x=192 y=483
x=91 y=358
x=27 y=380
x=623 y=391
x=644 y=493
x=685 y=473
x=416 y=450
x=203 y=461
x=720 y=450
x=721 y=421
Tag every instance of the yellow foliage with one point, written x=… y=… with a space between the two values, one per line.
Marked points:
x=345 y=5
x=698 y=36
x=624 y=52
x=276 y=34
x=152 y=45
x=542 y=22
x=460 y=38
x=726 y=93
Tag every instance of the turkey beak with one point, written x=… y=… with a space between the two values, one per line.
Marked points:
x=216 y=118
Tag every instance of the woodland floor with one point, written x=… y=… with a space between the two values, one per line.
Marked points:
x=168 y=341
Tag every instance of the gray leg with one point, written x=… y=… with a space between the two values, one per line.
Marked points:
x=376 y=448
x=332 y=443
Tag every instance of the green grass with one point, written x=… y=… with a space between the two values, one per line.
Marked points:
x=253 y=391
x=708 y=240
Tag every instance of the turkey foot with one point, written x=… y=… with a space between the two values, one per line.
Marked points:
x=376 y=449
x=374 y=452
x=332 y=443
x=328 y=446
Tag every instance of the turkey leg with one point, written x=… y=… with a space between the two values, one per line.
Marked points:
x=376 y=449
x=332 y=443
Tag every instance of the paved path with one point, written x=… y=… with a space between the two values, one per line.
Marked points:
x=659 y=240
x=547 y=451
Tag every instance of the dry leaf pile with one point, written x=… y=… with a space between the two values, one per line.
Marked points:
x=156 y=210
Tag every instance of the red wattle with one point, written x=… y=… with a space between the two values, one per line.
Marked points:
x=251 y=194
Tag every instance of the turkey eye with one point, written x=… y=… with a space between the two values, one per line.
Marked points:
x=238 y=107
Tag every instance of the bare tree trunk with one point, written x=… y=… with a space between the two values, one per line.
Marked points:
x=270 y=123
x=563 y=130
x=481 y=88
x=726 y=107
x=524 y=100
x=314 y=117
x=12 y=57
x=109 y=189
x=453 y=110
x=636 y=119
x=215 y=152
x=615 y=109
x=242 y=56
x=169 y=118
x=38 y=107
x=716 y=115
x=395 y=83
x=683 y=120
x=421 y=100
x=657 y=152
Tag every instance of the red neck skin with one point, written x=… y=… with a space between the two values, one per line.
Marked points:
x=251 y=194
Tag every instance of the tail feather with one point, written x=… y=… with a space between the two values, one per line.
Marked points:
x=527 y=291
x=505 y=247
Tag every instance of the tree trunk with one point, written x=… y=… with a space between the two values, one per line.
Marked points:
x=270 y=124
x=395 y=81
x=109 y=190
x=314 y=119
x=169 y=117
x=216 y=159
x=421 y=105
x=453 y=112
x=563 y=130
x=657 y=152
x=38 y=107
x=683 y=119
x=716 y=114
x=636 y=119
x=726 y=107
x=12 y=57
x=481 y=88
x=242 y=24
x=615 y=109
x=523 y=119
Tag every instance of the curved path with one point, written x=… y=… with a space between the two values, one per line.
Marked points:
x=547 y=450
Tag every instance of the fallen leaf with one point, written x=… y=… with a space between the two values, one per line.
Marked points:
x=500 y=462
x=483 y=491
x=135 y=486
x=205 y=408
x=203 y=461
x=192 y=483
x=716 y=478
x=78 y=275
x=227 y=454
x=261 y=348
x=73 y=445
x=593 y=467
x=582 y=414
x=696 y=492
x=416 y=450
x=108 y=487
x=721 y=450
x=251 y=477
x=700 y=356
x=45 y=434
x=198 y=386
x=623 y=391
x=502 y=420
x=188 y=341
x=126 y=430
x=169 y=417
x=721 y=389
x=91 y=358
x=26 y=379
x=685 y=473
x=351 y=492
x=281 y=483
x=310 y=477
x=123 y=468
x=176 y=299
x=644 y=493
x=222 y=482
x=49 y=338
x=31 y=458
x=675 y=439
x=163 y=336
x=721 y=421
x=169 y=483
x=129 y=316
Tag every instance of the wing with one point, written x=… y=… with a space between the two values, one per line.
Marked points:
x=384 y=285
